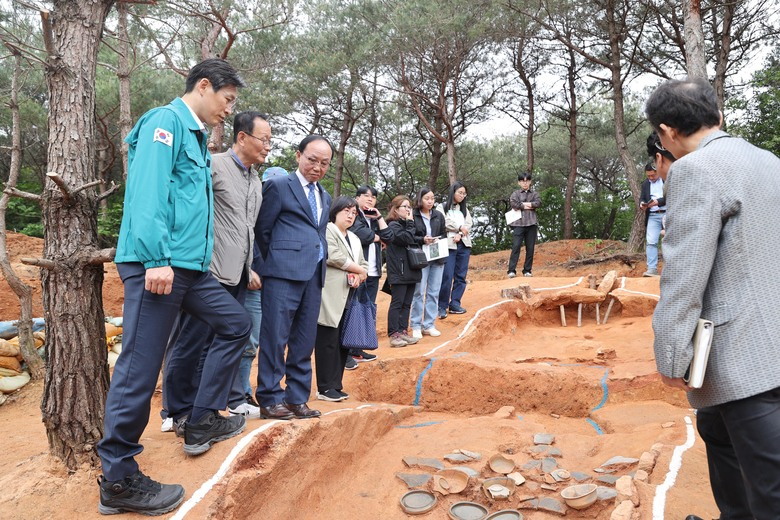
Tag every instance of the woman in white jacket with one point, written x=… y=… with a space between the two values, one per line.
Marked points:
x=457 y=221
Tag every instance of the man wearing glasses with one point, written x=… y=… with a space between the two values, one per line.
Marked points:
x=163 y=256
x=237 y=198
x=290 y=232
x=653 y=202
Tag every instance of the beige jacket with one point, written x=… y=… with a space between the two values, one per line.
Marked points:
x=453 y=219
x=336 y=289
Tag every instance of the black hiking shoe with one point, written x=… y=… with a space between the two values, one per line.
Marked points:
x=138 y=493
x=214 y=427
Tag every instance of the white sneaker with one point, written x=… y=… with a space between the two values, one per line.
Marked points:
x=247 y=410
x=167 y=425
x=417 y=333
x=433 y=331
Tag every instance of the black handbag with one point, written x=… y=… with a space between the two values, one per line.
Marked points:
x=416 y=257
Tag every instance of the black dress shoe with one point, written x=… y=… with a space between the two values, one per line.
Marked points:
x=251 y=400
x=277 y=411
x=302 y=411
x=693 y=517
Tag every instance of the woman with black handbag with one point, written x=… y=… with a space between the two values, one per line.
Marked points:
x=401 y=277
x=346 y=270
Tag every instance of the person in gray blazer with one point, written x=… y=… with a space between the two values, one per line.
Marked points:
x=722 y=235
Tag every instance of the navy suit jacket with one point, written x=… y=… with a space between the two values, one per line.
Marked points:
x=288 y=237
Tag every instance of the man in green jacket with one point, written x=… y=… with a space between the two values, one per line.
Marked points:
x=163 y=256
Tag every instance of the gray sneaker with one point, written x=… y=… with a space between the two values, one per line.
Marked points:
x=396 y=340
x=138 y=493
x=650 y=272
x=214 y=427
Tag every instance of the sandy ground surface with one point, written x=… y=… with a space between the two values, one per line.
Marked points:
x=497 y=376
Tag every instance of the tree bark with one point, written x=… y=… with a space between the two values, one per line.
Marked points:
x=695 y=59
x=347 y=123
x=723 y=50
x=77 y=373
x=22 y=291
x=615 y=44
x=568 y=225
x=123 y=73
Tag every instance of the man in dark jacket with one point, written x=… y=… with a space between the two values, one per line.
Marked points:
x=524 y=229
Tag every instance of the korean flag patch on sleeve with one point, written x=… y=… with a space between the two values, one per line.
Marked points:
x=164 y=136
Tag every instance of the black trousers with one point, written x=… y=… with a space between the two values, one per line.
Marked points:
x=743 y=455
x=329 y=358
x=521 y=235
x=400 y=306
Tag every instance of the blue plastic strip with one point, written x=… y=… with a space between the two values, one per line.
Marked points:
x=418 y=391
x=595 y=426
x=420 y=425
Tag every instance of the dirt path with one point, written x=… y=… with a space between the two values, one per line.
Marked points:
x=506 y=379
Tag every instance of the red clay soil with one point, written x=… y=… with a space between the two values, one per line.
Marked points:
x=513 y=373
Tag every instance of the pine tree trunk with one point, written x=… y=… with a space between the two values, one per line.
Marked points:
x=77 y=373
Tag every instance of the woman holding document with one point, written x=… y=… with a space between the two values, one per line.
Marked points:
x=429 y=230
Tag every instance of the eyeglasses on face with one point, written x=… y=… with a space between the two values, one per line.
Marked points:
x=407 y=206
x=266 y=142
x=313 y=161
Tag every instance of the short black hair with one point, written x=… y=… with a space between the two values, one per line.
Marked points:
x=365 y=188
x=654 y=146
x=313 y=137
x=685 y=105
x=341 y=203
x=524 y=176
x=650 y=167
x=245 y=122
x=219 y=73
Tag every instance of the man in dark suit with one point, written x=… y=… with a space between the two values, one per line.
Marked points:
x=721 y=241
x=290 y=231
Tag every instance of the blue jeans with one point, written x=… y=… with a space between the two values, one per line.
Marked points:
x=426 y=297
x=252 y=305
x=654 y=226
x=453 y=281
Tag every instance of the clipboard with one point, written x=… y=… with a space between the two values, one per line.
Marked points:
x=702 y=342
x=513 y=215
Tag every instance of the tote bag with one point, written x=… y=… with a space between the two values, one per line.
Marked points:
x=359 y=328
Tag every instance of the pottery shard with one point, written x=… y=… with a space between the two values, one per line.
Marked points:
x=505 y=412
x=667 y=424
x=544 y=438
x=549 y=464
x=647 y=462
x=552 y=505
x=529 y=503
x=608 y=283
x=604 y=493
x=457 y=457
x=626 y=490
x=423 y=462
x=414 y=480
x=619 y=461
x=624 y=511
